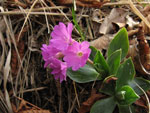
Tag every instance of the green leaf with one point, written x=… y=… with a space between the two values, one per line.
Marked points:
x=114 y=61
x=125 y=73
x=93 y=52
x=120 y=41
x=108 y=86
x=100 y=64
x=126 y=109
x=84 y=74
x=104 y=106
x=77 y=25
x=140 y=82
x=126 y=95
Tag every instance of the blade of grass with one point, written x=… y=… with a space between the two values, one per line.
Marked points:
x=26 y=18
x=77 y=25
x=147 y=99
x=2 y=57
x=3 y=105
x=138 y=13
x=6 y=74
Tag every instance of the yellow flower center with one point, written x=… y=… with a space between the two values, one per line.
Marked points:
x=80 y=54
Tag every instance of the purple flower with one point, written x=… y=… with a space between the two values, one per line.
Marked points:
x=77 y=54
x=63 y=46
x=47 y=52
x=61 y=36
x=51 y=57
x=59 y=69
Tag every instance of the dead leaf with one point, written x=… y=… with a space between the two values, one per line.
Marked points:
x=132 y=32
x=26 y=107
x=145 y=27
x=86 y=106
x=146 y=10
x=21 y=49
x=139 y=52
x=17 y=3
x=134 y=54
x=130 y=22
x=133 y=50
x=96 y=15
x=83 y=3
x=102 y=42
x=141 y=102
x=146 y=13
x=144 y=50
x=116 y=16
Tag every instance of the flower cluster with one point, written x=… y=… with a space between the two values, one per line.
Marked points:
x=63 y=52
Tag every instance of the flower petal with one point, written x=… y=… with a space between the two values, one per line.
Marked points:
x=84 y=45
x=59 y=44
x=72 y=57
x=70 y=28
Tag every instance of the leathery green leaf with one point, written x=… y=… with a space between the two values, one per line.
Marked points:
x=84 y=74
x=113 y=61
x=120 y=41
x=100 y=64
x=104 y=106
x=139 y=83
x=126 y=95
x=125 y=73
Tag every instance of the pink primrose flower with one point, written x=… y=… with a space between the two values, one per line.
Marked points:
x=61 y=36
x=59 y=69
x=62 y=45
x=47 y=52
x=77 y=54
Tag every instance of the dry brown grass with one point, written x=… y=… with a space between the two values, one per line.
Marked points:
x=22 y=32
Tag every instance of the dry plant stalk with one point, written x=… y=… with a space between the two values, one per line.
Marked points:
x=144 y=50
x=27 y=107
x=21 y=48
x=145 y=27
x=83 y=3
x=86 y=106
x=138 y=13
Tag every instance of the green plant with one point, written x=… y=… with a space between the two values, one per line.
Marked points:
x=118 y=75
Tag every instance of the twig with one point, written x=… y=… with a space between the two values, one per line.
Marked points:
x=124 y=3
x=74 y=85
x=148 y=102
x=137 y=12
x=36 y=13
x=26 y=18
x=31 y=90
